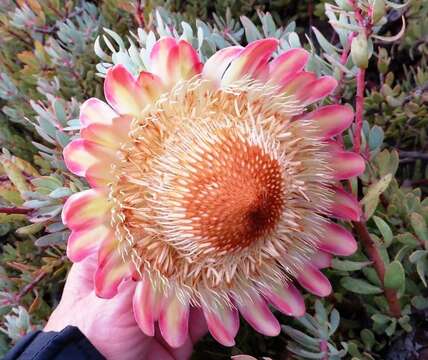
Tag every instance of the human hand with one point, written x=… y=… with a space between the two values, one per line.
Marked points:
x=110 y=325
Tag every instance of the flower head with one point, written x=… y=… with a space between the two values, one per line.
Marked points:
x=212 y=186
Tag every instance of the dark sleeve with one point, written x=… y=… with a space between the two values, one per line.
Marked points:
x=69 y=344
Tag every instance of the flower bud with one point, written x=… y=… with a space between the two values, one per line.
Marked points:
x=359 y=51
x=383 y=61
x=378 y=10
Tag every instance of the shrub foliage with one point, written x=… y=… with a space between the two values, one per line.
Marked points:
x=53 y=54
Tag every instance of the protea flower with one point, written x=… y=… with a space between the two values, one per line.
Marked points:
x=212 y=186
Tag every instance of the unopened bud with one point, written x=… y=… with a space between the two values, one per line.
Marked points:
x=359 y=51
x=378 y=10
x=383 y=61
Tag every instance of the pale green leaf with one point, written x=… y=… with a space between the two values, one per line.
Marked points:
x=384 y=229
x=371 y=199
x=348 y=265
x=395 y=276
x=359 y=286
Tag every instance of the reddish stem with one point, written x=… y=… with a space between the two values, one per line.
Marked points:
x=343 y=59
x=339 y=92
x=324 y=349
x=139 y=14
x=29 y=287
x=20 y=37
x=374 y=255
x=366 y=23
x=14 y=210
x=358 y=16
x=359 y=108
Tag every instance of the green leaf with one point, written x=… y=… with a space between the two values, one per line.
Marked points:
x=295 y=349
x=376 y=136
x=53 y=239
x=36 y=204
x=251 y=31
x=29 y=229
x=371 y=199
x=116 y=38
x=334 y=321
x=371 y=275
x=407 y=239
x=268 y=25
x=397 y=6
x=60 y=112
x=404 y=322
x=321 y=314
x=390 y=330
x=368 y=339
x=420 y=302
x=48 y=182
x=348 y=265
x=417 y=255
x=324 y=43
x=381 y=319
x=301 y=337
x=60 y=193
x=419 y=226
x=310 y=324
x=403 y=252
x=294 y=40
x=353 y=350
x=395 y=276
x=421 y=268
x=359 y=286
x=396 y=36
x=384 y=229
x=387 y=162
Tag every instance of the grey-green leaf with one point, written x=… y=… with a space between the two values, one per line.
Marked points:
x=419 y=226
x=394 y=276
x=348 y=265
x=384 y=229
x=359 y=286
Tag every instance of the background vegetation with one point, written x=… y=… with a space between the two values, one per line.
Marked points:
x=53 y=54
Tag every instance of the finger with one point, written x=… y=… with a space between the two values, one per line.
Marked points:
x=80 y=279
x=122 y=301
x=79 y=283
x=184 y=351
x=157 y=351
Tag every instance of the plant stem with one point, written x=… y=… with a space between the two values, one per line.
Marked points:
x=31 y=285
x=366 y=23
x=139 y=14
x=359 y=108
x=14 y=210
x=374 y=255
x=324 y=349
x=20 y=37
x=343 y=59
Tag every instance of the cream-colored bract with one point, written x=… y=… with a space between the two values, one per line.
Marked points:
x=212 y=187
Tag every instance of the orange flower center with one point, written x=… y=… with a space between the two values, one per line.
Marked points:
x=236 y=198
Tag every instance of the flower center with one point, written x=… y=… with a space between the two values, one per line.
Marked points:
x=236 y=198
x=215 y=187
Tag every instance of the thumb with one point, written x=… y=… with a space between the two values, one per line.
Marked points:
x=80 y=279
